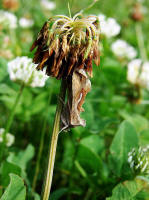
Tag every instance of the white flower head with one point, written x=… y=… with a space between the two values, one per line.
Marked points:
x=8 y=19
x=144 y=75
x=26 y=23
x=123 y=50
x=48 y=5
x=138 y=73
x=9 y=137
x=109 y=26
x=133 y=71
x=22 y=69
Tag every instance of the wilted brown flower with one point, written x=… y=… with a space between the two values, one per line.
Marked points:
x=66 y=44
x=66 y=47
x=137 y=13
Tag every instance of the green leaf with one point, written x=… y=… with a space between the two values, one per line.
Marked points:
x=94 y=142
x=125 y=139
x=23 y=157
x=88 y=115
x=58 y=194
x=39 y=103
x=6 y=169
x=36 y=196
x=144 y=137
x=5 y=89
x=15 y=190
x=128 y=190
x=68 y=155
x=88 y=159
x=120 y=192
x=138 y=121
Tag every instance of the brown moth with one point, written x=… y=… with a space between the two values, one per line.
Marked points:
x=78 y=87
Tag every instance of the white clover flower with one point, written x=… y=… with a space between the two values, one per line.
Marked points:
x=138 y=73
x=102 y=18
x=21 y=69
x=26 y=23
x=48 y=5
x=144 y=75
x=9 y=137
x=133 y=71
x=109 y=26
x=8 y=19
x=123 y=50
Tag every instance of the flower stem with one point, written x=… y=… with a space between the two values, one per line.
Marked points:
x=52 y=151
x=12 y=113
x=140 y=39
x=40 y=147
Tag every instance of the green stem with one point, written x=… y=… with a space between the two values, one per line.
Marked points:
x=140 y=39
x=84 y=174
x=52 y=151
x=88 y=194
x=89 y=7
x=40 y=148
x=11 y=116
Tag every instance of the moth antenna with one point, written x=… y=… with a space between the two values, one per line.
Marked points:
x=64 y=129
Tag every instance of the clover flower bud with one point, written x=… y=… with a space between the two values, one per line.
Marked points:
x=8 y=20
x=21 y=69
x=9 y=137
x=138 y=160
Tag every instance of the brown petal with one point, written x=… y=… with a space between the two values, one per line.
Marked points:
x=34 y=45
x=89 y=67
x=45 y=58
x=38 y=56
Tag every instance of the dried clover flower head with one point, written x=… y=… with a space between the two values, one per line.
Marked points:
x=65 y=44
x=139 y=160
x=12 y=5
x=137 y=13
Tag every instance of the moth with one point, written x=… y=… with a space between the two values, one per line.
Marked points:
x=78 y=85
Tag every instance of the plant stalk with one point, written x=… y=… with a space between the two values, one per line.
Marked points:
x=12 y=113
x=40 y=148
x=52 y=151
x=140 y=39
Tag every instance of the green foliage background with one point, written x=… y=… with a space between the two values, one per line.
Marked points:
x=91 y=162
